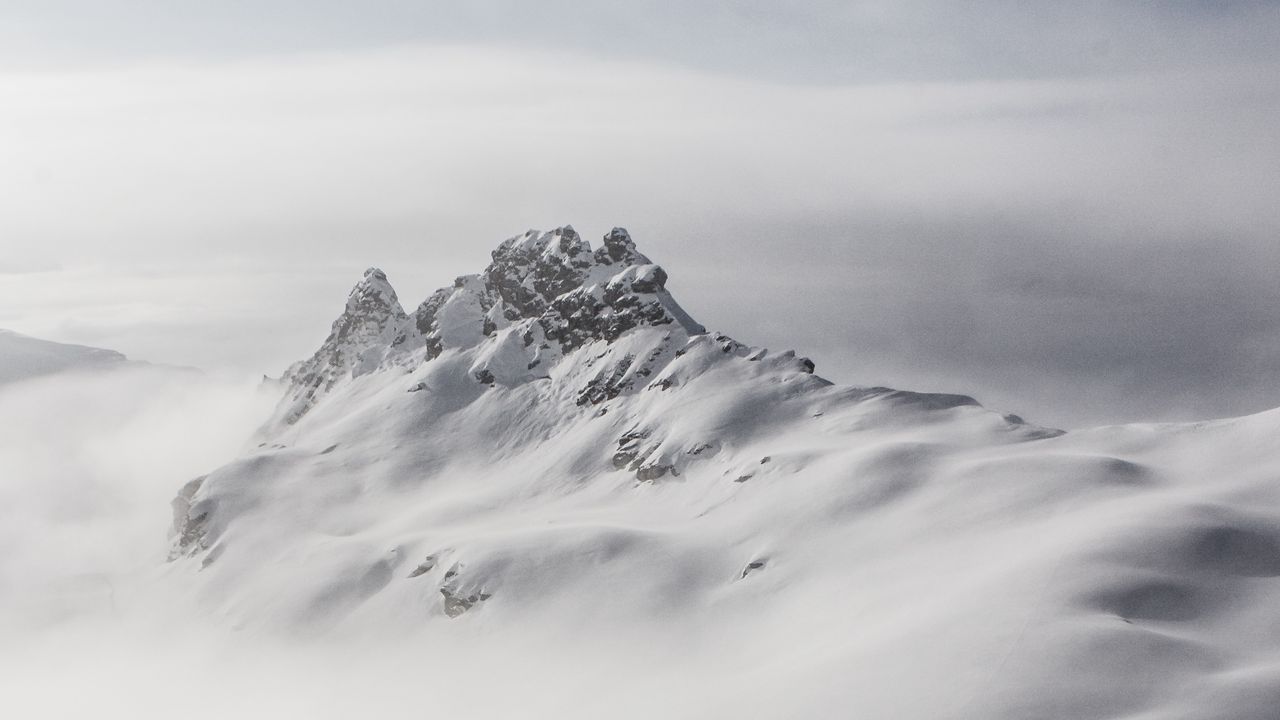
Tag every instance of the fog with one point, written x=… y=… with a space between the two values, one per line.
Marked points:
x=1066 y=210
x=91 y=461
x=94 y=622
x=1076 y=249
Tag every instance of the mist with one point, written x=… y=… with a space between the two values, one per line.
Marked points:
x=1067 y=211
x=94 y=622
x=214 y=212
x=90 y=463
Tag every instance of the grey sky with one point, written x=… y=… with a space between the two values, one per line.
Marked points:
x=1067 y=209
x=813 y=40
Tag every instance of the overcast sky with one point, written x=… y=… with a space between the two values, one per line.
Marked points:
x=1068 y=210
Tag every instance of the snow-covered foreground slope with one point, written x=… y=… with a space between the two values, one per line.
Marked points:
x=547 y=492
x=24 y=357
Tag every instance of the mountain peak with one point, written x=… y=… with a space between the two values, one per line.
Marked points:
x=555 y=379
x=561 y=242
x=620 y=248
x=373 y=296
x=359 y=341
x=543 y=296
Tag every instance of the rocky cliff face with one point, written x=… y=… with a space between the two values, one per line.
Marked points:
x=371 y=332
x=543 y=295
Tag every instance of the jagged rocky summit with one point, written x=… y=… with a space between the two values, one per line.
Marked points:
x=544 y=295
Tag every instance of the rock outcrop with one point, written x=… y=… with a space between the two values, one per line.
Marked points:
x=543 y=295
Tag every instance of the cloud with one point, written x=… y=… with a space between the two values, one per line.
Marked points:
x=1054 y=322
x=200 y=194
x=91 y=461
x=235 y=318
x=810 y=41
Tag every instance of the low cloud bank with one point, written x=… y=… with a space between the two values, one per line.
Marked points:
x=90 y=462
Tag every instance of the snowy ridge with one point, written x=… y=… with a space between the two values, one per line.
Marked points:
x=22 y=357
x=553 y=446
x=552 y=339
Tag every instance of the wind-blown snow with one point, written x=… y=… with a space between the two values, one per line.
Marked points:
x=549 y=493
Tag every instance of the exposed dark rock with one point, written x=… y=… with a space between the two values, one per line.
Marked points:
x=632 y=438
x=434 y=345
x=580 y=317
x=189 y=529
x=651 y=283
x=752 y=567
x=370 y=325
x=665 y=383
x=424 y=567
x=529 y=271
x=455 y=605
x=607 y=386
x=561 y=294
x=619 y=248
x=457 y=602
x=424 y=317
x=211 y=556
x=649 y=473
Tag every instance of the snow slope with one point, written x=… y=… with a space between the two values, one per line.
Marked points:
x=23 y=357
x=548 y=492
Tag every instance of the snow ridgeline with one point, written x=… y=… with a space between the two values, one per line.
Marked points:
x=23 y=357
x=564 y=362
x=551 y=451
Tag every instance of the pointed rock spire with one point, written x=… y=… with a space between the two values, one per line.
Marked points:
x=371 y=325
x=372 y=311
x=619 y=248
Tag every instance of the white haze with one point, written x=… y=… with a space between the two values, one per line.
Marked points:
x=208 y=212
x=924 y=560
x=1069 y=213
x=90 y=462
x=90 y=626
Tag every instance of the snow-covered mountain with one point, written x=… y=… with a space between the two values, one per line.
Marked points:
x=553 y=453
x=23 y=357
